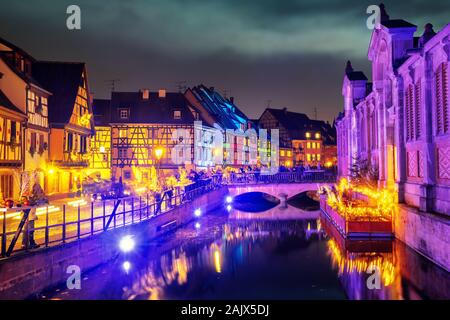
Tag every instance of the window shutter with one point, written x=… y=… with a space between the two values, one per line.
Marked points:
x=408 y=114
x=418 y=115
x=444 y=95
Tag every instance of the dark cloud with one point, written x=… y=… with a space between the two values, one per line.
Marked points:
x=292 y=52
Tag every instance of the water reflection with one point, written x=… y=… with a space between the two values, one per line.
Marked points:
x=257 y=259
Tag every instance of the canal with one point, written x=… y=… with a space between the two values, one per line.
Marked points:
x=282 y=253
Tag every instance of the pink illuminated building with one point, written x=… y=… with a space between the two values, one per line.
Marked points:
x=400 y=123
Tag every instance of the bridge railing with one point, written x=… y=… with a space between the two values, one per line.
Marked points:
x=281 y=177
x=57 y=224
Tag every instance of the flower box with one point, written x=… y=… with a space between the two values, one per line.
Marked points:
x=357 y=228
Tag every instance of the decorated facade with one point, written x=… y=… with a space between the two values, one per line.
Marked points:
x=24 y=124
x=399 y=123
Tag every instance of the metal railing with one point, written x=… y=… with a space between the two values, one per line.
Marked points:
x=58 y=224
x=281 y=177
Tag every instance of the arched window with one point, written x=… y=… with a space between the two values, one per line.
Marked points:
x=441 y=99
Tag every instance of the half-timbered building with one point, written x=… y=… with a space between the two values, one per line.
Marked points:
x=24 y=139
x=71 y=124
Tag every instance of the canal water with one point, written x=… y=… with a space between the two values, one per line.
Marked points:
x=292 y=254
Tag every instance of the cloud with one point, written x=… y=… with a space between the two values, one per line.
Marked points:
x=292 y=52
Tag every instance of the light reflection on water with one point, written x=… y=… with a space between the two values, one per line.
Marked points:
x=244 y=259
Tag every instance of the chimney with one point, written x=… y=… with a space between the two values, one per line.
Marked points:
x=211 y=88
x=348 y=67
x=285 y=110
x=427 y=35
x=145 y=94
x=161 y=93
x=232 y=100
x=384 y=17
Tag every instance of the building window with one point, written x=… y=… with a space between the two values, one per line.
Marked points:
x=417 y=113
x=33 y=142
x=7 y=185
x=122 y=133
x=313 y=145
x=308 y=157
x=282 y=153
x=308 y=145
x=69 y=145
x=441 y=97
x=289 y=153
x=318 y=145
x=318 y=157
x=409 y=113
x=41 y=143
x=123 y=113
x=308 y=135
x=317 y=135
x=13 y=136
x=122 y=153
x=177 y=114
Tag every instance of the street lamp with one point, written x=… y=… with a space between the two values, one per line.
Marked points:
x=159 y=153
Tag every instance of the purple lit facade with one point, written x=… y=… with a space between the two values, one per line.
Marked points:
x=400 y=123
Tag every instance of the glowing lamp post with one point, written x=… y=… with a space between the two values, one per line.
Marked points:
x=159 y=152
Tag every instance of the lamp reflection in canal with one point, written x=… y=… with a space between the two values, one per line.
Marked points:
x=217 y=257
x=360 y=262
x=174 y=267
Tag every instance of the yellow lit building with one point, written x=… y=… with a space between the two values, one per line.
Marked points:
x=140 y=123
x=311 y=142
x=100 y=163
x=25 y=140
x=71 y=125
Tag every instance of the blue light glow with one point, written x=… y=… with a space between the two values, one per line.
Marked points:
x=127 y=243
x=126 y=266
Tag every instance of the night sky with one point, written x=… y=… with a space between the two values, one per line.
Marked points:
x=292 y=52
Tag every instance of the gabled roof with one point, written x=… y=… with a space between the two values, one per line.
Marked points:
x=25 y=77
x=356 y=76
x=222 y=110
x=63 y=80
x=102 y=112
x=6 y=103
x=15 y=48
x=297 y=124
x=398 y=23
x=151 y=110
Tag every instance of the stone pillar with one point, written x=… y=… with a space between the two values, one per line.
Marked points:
x=400 y=138
x=429 y=165
x=381 y=136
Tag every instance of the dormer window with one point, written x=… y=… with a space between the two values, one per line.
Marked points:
x=177 y=114
x=124 y=114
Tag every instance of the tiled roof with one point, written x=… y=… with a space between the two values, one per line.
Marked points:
x=102 y=111
x=398 y=23
x=356 y=76
x=224 y=111
x=5 y=102
x=297 y=124
x=151 y=110
x=62 y=79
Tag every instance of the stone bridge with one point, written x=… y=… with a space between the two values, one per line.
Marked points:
x=281 y=212
x=290 y=189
